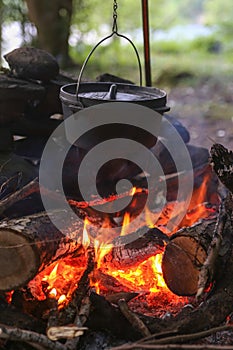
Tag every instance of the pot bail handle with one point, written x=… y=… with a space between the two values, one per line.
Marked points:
x=114 y=32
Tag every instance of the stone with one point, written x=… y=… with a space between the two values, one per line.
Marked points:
x=32 y=63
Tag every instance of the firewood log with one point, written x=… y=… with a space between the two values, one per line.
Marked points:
x=128 y=252
x=30 y=243
x=184 y=256
x=187 y=251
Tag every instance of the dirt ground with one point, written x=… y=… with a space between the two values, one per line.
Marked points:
x=206 y=110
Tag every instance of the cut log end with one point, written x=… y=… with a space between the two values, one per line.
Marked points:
x=18 y=260
x=181 y=264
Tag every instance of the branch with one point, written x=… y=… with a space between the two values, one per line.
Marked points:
x=207 y=270
x=179 y=347
x=22 y=193
x=133 y=318
x=150 y=343
x=80 y=300
x=17 y=334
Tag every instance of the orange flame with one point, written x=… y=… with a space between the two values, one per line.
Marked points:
x=86 y=239
x=198 y=208
x=126 y=221
x=100 y=251
x=149 y=218
x=157 y=268
x=146 y=276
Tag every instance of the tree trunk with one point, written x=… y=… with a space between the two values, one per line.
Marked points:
x=52 y=20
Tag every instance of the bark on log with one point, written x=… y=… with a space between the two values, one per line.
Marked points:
x=30 y=243
x=184 y=255
x=222 y=162
x=187 y=251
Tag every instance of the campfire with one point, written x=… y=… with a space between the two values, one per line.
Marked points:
x=154 y=277
x=137 y=270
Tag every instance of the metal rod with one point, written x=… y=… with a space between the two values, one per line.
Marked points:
x=146 y=38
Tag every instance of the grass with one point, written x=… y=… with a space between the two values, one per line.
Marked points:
x=172 y=63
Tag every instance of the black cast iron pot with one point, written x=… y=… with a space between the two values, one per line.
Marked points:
x=90 y=94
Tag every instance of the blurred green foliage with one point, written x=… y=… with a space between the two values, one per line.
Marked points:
x=164 y=14
x=14 y=10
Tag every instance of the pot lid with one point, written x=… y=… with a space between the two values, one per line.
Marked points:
x=94 y=93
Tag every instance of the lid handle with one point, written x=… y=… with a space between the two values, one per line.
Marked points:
x=112 y=93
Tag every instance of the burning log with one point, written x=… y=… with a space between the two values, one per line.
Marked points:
x=139 y=249
x=30 y=243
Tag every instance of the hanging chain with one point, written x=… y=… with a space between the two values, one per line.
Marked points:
x=114 y=26
x=114 y=32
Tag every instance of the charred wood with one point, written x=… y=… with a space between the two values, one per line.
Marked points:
x=134 y=320
x=222 y=163
x=135 y=247
x=104 y=316
x=208 y=269
x=12 y=316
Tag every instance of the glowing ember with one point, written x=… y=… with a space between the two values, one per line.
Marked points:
x=135 y=190
x=145 y=277
x=59 y=280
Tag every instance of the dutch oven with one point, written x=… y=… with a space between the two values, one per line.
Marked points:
x=90 y=94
